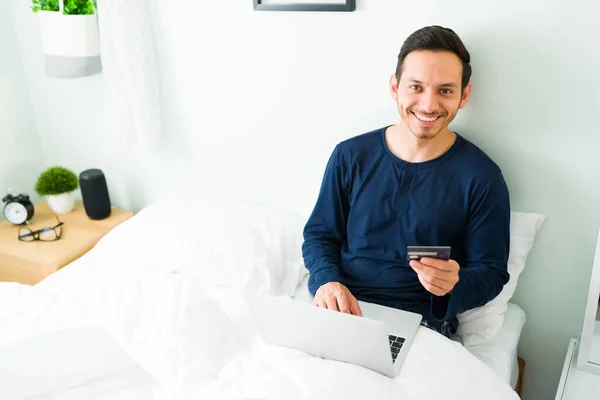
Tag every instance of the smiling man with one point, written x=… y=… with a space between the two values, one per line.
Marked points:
x=415 y=183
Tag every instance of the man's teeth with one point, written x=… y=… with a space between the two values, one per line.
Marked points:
x=425 y=119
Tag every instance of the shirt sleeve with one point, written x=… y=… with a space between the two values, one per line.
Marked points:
x=325 y=229
x=485 y=266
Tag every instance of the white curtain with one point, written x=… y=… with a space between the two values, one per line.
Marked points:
x=130 y=76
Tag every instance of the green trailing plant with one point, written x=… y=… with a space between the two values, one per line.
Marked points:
x=45 y=5
x=71 y=7
x=56 y=180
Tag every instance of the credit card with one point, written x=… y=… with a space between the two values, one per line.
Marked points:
x=416 y=252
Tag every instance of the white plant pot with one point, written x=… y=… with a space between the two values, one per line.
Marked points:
x=61 y=203
x=70 y=43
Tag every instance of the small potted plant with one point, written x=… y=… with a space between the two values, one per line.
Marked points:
x=57 y=185
x=70 y=37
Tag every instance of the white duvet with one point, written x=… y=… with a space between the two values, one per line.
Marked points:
x=193 y=340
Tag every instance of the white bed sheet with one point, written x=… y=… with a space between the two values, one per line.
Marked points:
x=80 y=363
x=499 y=353
x=151 y=314
x=131 y=382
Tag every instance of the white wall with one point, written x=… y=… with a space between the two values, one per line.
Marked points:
x=255 y=101
x=21 y=154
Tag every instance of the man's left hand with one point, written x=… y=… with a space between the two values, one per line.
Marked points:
x=437 y=276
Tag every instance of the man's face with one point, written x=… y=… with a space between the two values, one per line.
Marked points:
x=429 y=92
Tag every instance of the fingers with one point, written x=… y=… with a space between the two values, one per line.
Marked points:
x=434 y=272
x=435 y=263
x=429 y=267
x=434 y=286
x=441 y=265
x=436 y=281
x=326 y=300
x=354 y=307
x=332 y=302
x=319 y=302
x=349 y=305
x=337 y=300
x=433 y=281
x=344 y=304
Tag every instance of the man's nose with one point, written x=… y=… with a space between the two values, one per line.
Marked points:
x=429 y=101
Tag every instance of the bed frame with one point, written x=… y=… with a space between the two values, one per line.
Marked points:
x=519 y=385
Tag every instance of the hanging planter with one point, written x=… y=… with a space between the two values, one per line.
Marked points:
x=70 y=39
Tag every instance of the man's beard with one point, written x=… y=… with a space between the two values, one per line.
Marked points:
x=428 y=133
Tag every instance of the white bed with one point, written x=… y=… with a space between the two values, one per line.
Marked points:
x=500 y=352
x=161 y=317
x=112 y=374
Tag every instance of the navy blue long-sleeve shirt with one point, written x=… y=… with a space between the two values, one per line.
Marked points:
x=372 y=205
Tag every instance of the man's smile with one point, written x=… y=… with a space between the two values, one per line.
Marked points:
x=426 y=119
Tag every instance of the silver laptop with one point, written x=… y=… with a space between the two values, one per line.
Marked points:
x=379 y=341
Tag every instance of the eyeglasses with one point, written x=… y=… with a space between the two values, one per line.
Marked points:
x=45 y=234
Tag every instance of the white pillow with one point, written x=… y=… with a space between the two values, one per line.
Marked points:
x=217 y=240
x=482 y=323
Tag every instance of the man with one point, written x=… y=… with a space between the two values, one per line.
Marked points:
x=415 y=183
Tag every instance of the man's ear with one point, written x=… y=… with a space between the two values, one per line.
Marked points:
x=466 y=94
x=394 y=87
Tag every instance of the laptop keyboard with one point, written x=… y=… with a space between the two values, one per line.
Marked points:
x=396 y=344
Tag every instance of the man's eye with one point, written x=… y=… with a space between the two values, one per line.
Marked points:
x=415 y=87
x=446 y=91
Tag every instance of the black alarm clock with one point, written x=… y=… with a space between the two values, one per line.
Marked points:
x=18 y=209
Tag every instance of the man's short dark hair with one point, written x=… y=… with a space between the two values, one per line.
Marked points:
x=436 y=38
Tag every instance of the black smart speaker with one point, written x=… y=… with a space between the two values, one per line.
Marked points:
x=94 y=193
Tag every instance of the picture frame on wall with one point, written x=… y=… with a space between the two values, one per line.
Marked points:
x=305 y=5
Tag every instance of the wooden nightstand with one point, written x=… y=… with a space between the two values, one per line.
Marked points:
x=30 y=262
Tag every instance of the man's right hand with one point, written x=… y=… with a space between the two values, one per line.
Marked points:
x=337 y=297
